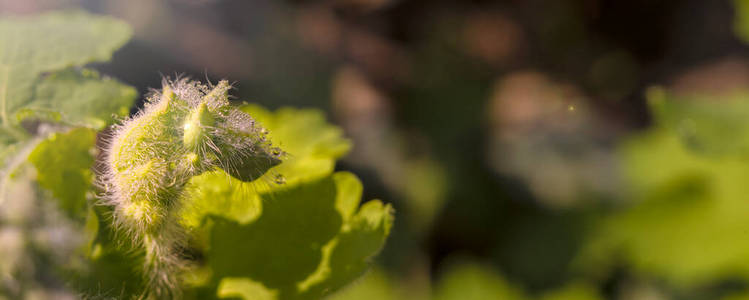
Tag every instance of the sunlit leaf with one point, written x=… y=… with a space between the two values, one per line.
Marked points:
x=312 y=144
x=375 y=285
x=309 y=239
x=30 y=46
x=79 y=98
x=63 y=162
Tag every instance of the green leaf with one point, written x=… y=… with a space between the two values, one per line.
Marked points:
x=63 y=162
x=245 y=289
x=573 y=291
x=79 y=98
x=687 y=208
x=30 y=46
x=362 y=235
x=470 y=281
x=705 y=124
x=741 y=20
x=313 y=145
x=308 y=241
x=374 y=285
x=217 y=193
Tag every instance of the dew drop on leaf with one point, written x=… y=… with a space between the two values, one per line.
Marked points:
x=279 y=179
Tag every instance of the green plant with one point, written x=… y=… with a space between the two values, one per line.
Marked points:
x=686 y=171
x=203 y=198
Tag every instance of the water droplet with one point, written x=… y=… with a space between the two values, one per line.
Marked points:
x=279 y=179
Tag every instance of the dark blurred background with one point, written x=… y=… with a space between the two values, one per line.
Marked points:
x=492 y=126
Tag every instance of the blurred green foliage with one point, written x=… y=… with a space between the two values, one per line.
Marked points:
x=684 y=220
x=741 y=21
x=462 y=280
x=63 y=164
